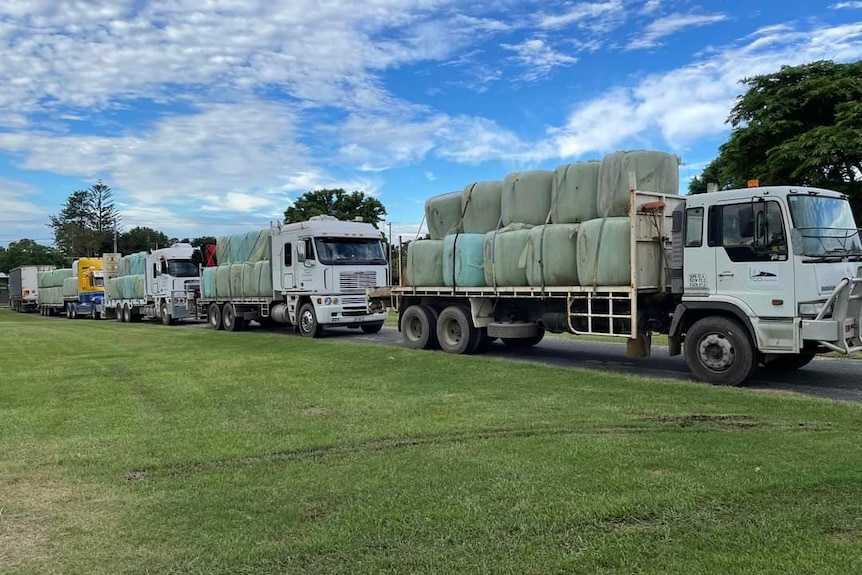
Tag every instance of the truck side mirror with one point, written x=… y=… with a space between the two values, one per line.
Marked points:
x=300 y=251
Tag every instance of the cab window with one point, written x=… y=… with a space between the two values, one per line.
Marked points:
x=749 y=232
x=288 y=255
x=694 y=227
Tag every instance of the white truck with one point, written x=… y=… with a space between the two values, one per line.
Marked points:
x=171 y=284
x=766 y=276
x=24 y=287
x=320 y=270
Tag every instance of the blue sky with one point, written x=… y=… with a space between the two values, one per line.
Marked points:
x=210 y=116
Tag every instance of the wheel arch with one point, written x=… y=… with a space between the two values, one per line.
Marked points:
x=687 y=313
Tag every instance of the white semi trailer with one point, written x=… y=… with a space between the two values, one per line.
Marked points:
x=736 y=279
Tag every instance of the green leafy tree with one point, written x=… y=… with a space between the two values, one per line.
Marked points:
x=27 y=252
x=139 y=239
x=86 y=222
x=801 y=125
x=203 y=240
x=337 y=203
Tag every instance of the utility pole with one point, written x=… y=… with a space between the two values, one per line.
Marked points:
x=115 y=235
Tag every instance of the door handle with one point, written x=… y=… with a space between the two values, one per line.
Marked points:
x=725 y=275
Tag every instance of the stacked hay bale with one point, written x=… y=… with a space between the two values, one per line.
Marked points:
x=51 y=286
x=130 y=282
x=564 y=227
x=244 y=268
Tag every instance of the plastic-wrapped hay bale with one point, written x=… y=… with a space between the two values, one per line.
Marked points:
x=112 y=289
x=425 y=263
x=526 y=197
x=134 y=286
x=575 y=194
x=263 y=273
x=604 y=252
x=51 y=295
x=551 y=255
x=70 y=287
x=463 y=260
x=654 y=172
x=223 y=280
x=54 y=278
x=481 y=206
x=208 y=282
x=503 y=251
x=223 y=249
x=443 y=214
x=236 y=280
x=249 y=280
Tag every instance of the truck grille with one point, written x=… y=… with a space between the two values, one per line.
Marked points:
x=357 y=280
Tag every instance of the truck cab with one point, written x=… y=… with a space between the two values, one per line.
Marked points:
x=86 y=289
x=779 y=266
x=172 y=283
x=324 y=266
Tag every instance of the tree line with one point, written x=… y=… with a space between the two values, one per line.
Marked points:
x=89 y=223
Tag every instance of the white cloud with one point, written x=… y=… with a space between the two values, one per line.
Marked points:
x=538 y=58
x=651 y=6
x=19 y=216
x=679 y=107
x=429 y=175
x=578 y=13
x=846 y=6
x=669 y=25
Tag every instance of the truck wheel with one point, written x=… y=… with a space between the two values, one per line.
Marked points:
x=790 y=361
x=127 y=314
x=68 y=311
x=455 y=331
x=214 y=316
x=164 y=315
x=74 y=311
x=372 y=327
x=118 y=314
x=419 y=327
x=522 y=342
x=308 y=326
x=231 y=320
x=718 y=350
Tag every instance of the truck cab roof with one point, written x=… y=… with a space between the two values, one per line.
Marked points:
x=696 y=200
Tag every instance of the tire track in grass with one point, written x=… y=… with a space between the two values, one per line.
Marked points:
x=687 y=423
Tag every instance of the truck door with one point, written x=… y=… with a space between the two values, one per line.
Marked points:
x=751 y=257
x=306 y=269
x=699 y=266
x=287 y=275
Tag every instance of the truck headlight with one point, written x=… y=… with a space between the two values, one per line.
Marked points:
x=811 y=308
x=328 y=301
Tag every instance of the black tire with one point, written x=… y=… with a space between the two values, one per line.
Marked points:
x=307 y=322
x=127 y=314
x=522 y=342
x=455 y=331
x=790 y=361
x=419 y=327
x=74 y=311
x=68 y=311
x=164 y=316
x=214 y=316
x=118 y=314
x=719 y=351
x=229 y=319
x=372 y=327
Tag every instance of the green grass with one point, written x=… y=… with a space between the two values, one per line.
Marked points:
x=144 y=449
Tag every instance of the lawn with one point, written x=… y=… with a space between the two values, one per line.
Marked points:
x=145 y=449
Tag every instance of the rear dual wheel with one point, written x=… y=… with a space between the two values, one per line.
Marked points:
x=419 y=327
x=456 y=332
x=231 y=320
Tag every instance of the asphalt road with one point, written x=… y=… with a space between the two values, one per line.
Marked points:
x=823 y=377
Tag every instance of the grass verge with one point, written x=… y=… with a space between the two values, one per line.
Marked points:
x=144 y=449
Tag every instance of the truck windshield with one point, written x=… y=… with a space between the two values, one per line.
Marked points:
x=344 y=251
x=182 y=269
x=826 y=225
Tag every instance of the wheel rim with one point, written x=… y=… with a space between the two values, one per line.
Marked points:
x=227 y=316
x=213 y=318
x=716 y=352
x=306 y=323
x=413 y=328
x=452 y=333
